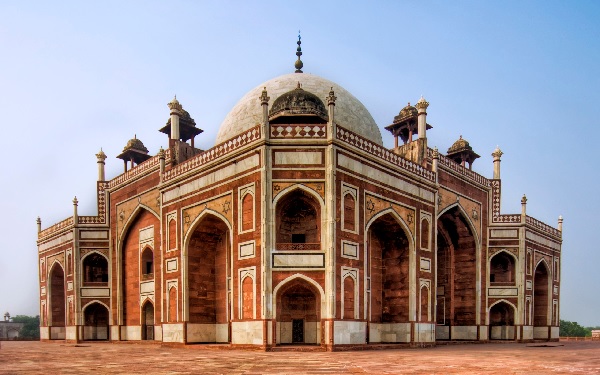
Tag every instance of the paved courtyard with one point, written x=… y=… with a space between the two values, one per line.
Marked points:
x=106 y=358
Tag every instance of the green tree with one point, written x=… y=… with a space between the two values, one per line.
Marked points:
x=31 y=329
x=573 y=329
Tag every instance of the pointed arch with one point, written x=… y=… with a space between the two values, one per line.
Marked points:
x=502 y=267
x=542 y=302
x=390 y=269
x=298 y=306
x=458 y=273
x=312 y=282
x=96 y=321
x=128 y=281
x=298 y=213
x=194 y=224
x=219 y=310
x=502 y=317
x=57 y=293
x=466 y=216
x=95 y=269
x=302 y=187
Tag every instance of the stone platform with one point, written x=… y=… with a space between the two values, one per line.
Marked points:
x=573 y=357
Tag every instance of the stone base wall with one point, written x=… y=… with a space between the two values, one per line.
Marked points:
x=389 y=332
x=173 y=332
x=247 y=333
x=424 y=332
x=349 y=332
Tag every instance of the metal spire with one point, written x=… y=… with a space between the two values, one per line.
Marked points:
x=298 y=65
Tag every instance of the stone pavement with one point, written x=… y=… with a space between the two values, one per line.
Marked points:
x=122 y=358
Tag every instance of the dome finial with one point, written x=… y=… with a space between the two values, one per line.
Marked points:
x=298 y=65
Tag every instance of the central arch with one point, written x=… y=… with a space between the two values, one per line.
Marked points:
x=457 y=297
x=388 y=300
x=208 y=269
x=298 y=308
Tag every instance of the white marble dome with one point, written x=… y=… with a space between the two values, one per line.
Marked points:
x=349 y=111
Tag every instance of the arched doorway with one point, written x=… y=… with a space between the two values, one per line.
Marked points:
x=148 y=321
x=540 y=301
x=502 y=321
x=456 y=276
x=208 y=269
x=57 y=303
x=502 y=269
x=298 y=313
x=95 y=318
x=388 y=255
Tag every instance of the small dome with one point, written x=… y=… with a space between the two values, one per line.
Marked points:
x=406 y=112
x=350 y=113
x=460 y=145
x=298 y=103
x=135 y=144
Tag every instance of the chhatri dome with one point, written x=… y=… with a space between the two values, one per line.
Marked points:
x=350 y=113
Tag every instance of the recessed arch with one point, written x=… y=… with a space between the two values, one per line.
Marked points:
x=502 y=317
x=57 y=293
x=207 y=265
x=304 y=188
x=503 y=266
x=298 y=308
x=96 y=321
x=305 y=278
x=457 y=270
x=541 y=294
x=390 y=252
x=298 y=217
x=147 y=319
x=128 y=259
x=465 y=216
x=95 y=268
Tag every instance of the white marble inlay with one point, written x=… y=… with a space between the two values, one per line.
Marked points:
x=95 y=292
x=93 y=235
x=309 y=260
x=502 y=292
x=171 y=265
x=246 y=250
x=504 y=233
x=282 y=157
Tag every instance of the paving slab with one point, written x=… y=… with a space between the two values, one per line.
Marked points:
x=118 y=358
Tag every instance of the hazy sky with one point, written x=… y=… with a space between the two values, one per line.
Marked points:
x=76 y=76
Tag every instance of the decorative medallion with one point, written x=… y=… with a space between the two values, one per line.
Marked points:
x=370 y=206
x=226 y=206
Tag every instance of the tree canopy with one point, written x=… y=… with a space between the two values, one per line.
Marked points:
x=31 y=329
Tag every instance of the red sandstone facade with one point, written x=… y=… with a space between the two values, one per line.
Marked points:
x=301 y=228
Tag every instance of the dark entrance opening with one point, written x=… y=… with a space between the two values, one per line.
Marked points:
x=298 y=331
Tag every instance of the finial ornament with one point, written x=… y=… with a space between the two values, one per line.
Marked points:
x=101 y=155
x=422 y=103
x=161 y=153
x=75 y=201
x=298 y=65
x=524 y=199
x=331 y=98
x=436 y=153
x=497 y=153
x=174 y=104
x=264 y=98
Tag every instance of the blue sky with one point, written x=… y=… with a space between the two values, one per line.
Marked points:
x=76 y=76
